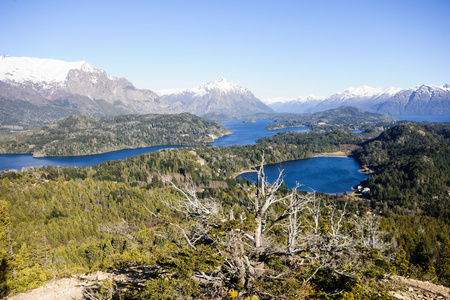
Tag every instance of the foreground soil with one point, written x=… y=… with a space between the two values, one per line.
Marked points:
x=84 y=286
x=415 y=289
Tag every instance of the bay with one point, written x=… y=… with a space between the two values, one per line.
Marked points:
x=19 y=161
x=248 y=133
x=329 y=175
x=243 y=134
x=324 y=174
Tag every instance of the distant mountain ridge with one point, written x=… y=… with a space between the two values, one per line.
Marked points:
x=421 y=100
x=217 y=99
x=28 y=85
x=35 y=92
x=344 y=117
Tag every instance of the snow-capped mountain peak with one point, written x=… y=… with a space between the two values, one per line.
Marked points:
x=424 y=99
x=269 y=101
x=223 y=85
x=365 y=92
x=301 y=99
x=220 y=98
x=38 y=70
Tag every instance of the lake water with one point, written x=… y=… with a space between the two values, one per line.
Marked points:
x=248 y=133
x=322 y=174
x=243 y=134
x=18 y=161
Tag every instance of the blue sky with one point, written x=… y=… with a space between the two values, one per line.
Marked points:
x=273 y=48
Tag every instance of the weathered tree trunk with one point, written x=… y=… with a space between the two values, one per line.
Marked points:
x=258 y=232
x=236 y=250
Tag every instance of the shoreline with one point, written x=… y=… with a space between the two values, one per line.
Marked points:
x=243 y=172
x=332 y=154
x=325 y=154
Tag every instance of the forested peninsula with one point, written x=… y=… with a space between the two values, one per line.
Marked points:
x=344 y=117
x=84 y=135
x=198 y=233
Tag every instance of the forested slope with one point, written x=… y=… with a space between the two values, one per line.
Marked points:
x=412 y=164
x=344 y=117
x=82 y=135
x=59 y=221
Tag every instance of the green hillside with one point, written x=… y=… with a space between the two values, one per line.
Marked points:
x=344 y=117
x=83 y=135
x=200 y=234
x=412 y=169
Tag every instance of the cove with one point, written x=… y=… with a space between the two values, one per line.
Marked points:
x=329 y=175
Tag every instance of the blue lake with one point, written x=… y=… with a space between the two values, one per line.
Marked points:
x=243 y=134
x=18 y=161
x=248 y=133
x=322 y=174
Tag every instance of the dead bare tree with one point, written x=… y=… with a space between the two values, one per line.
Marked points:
x=319 y=234
x=367 y=232
x=266 y=197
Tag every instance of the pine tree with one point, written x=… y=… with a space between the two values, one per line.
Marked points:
x=4 y=247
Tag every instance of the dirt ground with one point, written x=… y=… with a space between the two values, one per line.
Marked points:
x=80 y=287
x=415 y=289
x=64 y=289
x=85 y=286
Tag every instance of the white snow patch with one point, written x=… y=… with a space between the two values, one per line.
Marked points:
x=393 y=90
x=37 y=70
x=94 y=80
x=301 y=99
x=431 y=87
x=366 y=92
x=166 y=92
x=221 y=84
x=224 y=86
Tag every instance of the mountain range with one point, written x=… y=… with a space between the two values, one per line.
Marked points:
x=35 y=92
x=421 y=100
x=220 y=99
x=38 y=91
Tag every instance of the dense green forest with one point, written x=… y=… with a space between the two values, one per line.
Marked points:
x=344 y=117
x=206 y=235
x=82 y=135
x=412 y=169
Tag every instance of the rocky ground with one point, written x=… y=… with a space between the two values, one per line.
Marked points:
x=85 y=287
x=415 y=289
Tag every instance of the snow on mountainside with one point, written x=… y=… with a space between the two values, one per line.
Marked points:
x=366 y=91
x=221 y=84
x=300 y=99
x=425 y=99
x=36 y=91
x=220 y=99
x=23 y=69
x=224 y=86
